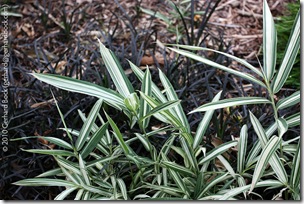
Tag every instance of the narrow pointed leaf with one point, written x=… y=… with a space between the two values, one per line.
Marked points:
x=121 y=81
x=178 y=168
x=231 y=102
x=290 y=56
x=94 y=140
x=243 y=62
x=146 y=88
x=111 y=97
x=295 y=177
x=123 y=188
x=289 y=101
x=171 y=95
x=266 y=154
x=242 y=148
x=269 y=42
x=282 y=126
x=217 y=151
x=44 y=182
x=216 y=65
x=204 y=124
x=53 y=152
x=87 y=126
x=65 y=193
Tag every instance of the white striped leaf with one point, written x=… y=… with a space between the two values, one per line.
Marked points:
x=53 y=152
x=241 y=61
x=94 y=140
x=79 y=194
x=83 y=170
x=88 y=124
x=226 y=165
x=218 y=179
x=146 y=88
x=44 y=182
x=155 y=90
x=264 y=158
x=290 y=56
x=65 y=193
x=217 y=151
x=219 y=66
x=144 y=141
x=204 y=124
x=171 y=95
x=295 y=177
x=178 y=168
x=111 y=97
x=282 y=126
x=269 y=43
x=242 y=148
x=118 y=136
x=238 y=190
x=121 y=81
x=73 y=167
x=52 y=172
x=54 y=140
x=274 y=161
x=230 y=102
x=123 y=188
x=289 y=101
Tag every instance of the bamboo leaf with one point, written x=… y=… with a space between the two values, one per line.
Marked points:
x=204 y=124
x=44 y=182
x=217 y=151
x=171 y=95
x=216 y=65
x=242 y=148
x=146 y=88
x=178 y=168
x=87 y=126
x=290 y=56
x=121 y=81
x=111 y=97
x=282 y=126
x=289 y=101
x=269 y=42
x=296 y=168
x=123 y=188
x=53 y=152
x=266 y=154
x=231 y=102
x=241 y=61
x=94 y=140
x=65 y=193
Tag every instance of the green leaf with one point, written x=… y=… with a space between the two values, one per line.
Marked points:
x=216 y=65
x=144 y=141
x=204 y=124
x=217 y=151
x=118 y=136
x=171 y=95
x=146 y=88
x=230 y=102
x=241 y=61
x=264 y=158
x=87 y=126
x=52 y=172
x=242 y=148
x=290 y=56
x=289 y=101
x=50 y=152
x=111 y=97
x=121 y=81
x=269 y=43
x=94 y=140
x=132 y=103
x=156 y=14
x=44 y=182
x=71 y=166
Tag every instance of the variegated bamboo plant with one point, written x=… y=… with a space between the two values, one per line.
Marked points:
x=101 y=164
